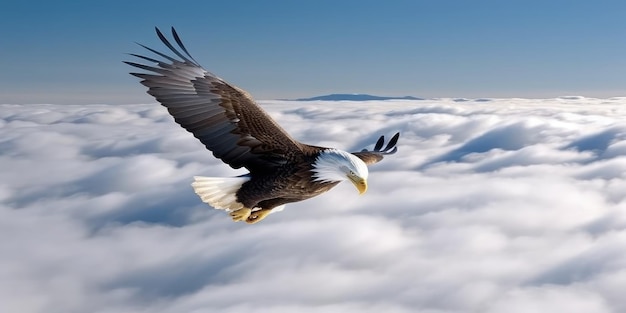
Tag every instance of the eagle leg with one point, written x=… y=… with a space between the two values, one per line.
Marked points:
x=241 y=214
x=257 y=216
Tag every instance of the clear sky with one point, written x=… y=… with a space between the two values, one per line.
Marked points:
x=71 y=51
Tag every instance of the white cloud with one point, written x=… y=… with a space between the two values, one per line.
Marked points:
x=500 y=205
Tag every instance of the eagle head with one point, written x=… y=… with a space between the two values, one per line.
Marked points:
x=333 y=165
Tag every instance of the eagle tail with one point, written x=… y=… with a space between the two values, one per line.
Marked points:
x=219 y=192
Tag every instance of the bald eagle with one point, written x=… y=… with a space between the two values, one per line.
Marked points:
x=229 y=123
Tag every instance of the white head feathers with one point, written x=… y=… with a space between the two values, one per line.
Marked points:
x=334 y=165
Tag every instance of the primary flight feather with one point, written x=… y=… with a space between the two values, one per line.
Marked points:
x=229 y=123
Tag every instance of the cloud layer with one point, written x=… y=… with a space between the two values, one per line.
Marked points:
x=497 y=205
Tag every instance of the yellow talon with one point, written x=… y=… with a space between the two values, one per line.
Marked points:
x=257 y=216
x=240 y=215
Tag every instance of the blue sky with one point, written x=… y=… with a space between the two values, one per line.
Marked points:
x=71 y=52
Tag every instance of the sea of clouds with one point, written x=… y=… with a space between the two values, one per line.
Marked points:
x=490 y=205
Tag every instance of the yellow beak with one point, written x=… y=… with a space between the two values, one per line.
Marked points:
x=359 y=183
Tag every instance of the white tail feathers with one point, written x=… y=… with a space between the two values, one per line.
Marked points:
x=219 y=192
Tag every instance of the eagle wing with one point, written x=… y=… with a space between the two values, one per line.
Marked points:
x=223 y=117
x=374 y=156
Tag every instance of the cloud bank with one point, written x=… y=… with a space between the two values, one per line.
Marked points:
x=497 y=205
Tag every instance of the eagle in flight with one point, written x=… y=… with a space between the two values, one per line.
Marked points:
x=239 y=132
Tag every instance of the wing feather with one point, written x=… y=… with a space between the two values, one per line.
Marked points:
x=377 y=154
x=223 y=117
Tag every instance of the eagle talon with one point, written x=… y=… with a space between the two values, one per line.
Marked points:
x=241 y=214
x=257 y=216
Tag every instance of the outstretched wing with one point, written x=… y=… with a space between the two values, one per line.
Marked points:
x=223 y=117
x=374 y=156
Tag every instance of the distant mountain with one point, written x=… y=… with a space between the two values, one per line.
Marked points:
x=355 y=97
